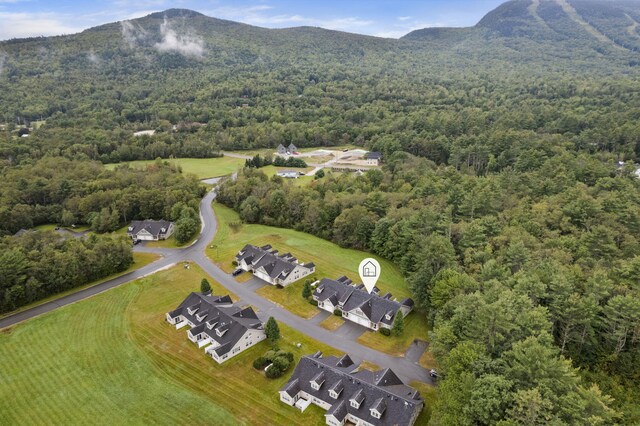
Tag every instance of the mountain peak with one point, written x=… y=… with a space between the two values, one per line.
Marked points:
x=176 y=13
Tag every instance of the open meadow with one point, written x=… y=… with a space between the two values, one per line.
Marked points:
x=203 y=168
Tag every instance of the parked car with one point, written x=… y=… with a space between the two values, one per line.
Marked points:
x=237 y=272
x=136 y=242
x=57 y=228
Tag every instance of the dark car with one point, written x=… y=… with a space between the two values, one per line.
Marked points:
x=136 y=242
x=237 y=272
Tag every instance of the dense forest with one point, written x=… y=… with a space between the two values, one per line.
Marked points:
x=39 y=264
x=508 y=196
x=70 y=192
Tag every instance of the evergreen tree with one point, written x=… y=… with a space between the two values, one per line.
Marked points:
x=306 y=290
x=272 y=330
x=205 y=287
x=398 y=324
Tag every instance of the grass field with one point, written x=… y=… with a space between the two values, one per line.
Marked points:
x=170 y=242
x=112 y=359
x=301 y=181
x=331 y=260
x=332 y=323
x=415 y=327
x=201 y=167
x=139 y=260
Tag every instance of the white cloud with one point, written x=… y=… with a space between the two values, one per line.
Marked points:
x=132 y=33
x=404 y=18
x=19 y=25
x=185 y=44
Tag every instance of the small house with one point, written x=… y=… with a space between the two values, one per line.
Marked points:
x=292 y=148
x=150 y=230
x=282 y=150
x=289 y=174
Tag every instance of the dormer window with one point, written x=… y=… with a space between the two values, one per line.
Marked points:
x=388 y=317
x=355 y=404
x=130 y=228
x=192 y=310
x=315 y=386
x=200 y=317
x=375 y=414
x=333 y=394
x=163 y=230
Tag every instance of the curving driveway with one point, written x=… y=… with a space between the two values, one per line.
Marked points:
x=404 y=367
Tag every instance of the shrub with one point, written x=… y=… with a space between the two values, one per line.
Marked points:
x=234 y=263
x=260 y=363
x=313 y=302
x=281 y=363
x=337 y=313
x=385 y=332
x=273 y=372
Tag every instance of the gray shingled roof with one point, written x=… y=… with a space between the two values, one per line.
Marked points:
x=351 y=297
x=222 y=315
x=154 y=227
x=372 y=388
x=373 y=155
x=276 y=265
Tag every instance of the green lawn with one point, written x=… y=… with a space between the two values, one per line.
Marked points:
x=332 y=323
x=171 y=242
x=139 y=260
x=415 y=327
x=301 y=181
x=112 y=359
x=331 y=260
x=201 y=167
x=53 y=226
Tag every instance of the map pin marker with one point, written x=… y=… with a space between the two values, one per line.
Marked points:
x=369 y=270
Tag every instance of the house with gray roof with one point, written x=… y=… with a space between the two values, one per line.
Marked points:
x=371 y=310
x=270 y=266
x=281 y=150
x=349 y=395
x=216 y=324
x=292 y=148
x=150 y=230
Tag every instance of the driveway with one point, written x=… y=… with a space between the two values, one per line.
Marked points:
x=416 y=350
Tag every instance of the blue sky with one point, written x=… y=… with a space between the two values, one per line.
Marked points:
x=384 y=18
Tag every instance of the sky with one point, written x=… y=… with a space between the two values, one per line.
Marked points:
x=382 y=18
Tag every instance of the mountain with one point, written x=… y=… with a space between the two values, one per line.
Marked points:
x=558 y=26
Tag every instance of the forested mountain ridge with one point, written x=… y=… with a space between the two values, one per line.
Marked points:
x=257 y=87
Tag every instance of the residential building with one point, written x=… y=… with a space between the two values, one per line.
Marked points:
x=282 y=150
x=289 y=174
x=144 y=133
x=218 y=325
x=373 y=158
x=362 y=398
x=276 y=269
x=150 y=230
x=292 y=148
x=358 y=305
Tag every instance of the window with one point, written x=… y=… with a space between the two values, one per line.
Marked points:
x=333 y=394
x=374 y=413
x=355 y=404
x=315 y=386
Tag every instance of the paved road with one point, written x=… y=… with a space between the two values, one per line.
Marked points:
x=405 y=368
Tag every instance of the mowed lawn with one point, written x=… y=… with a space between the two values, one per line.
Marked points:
x=201 y=167
x=415 y=327
x=331 y=260
x=112 y=359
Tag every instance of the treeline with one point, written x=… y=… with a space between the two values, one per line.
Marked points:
x=84 y=140
x=39 y=264
x=61 y=191
x=258 y=162
x=525 y=275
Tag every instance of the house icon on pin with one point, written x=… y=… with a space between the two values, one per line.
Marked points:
x=369 y=270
